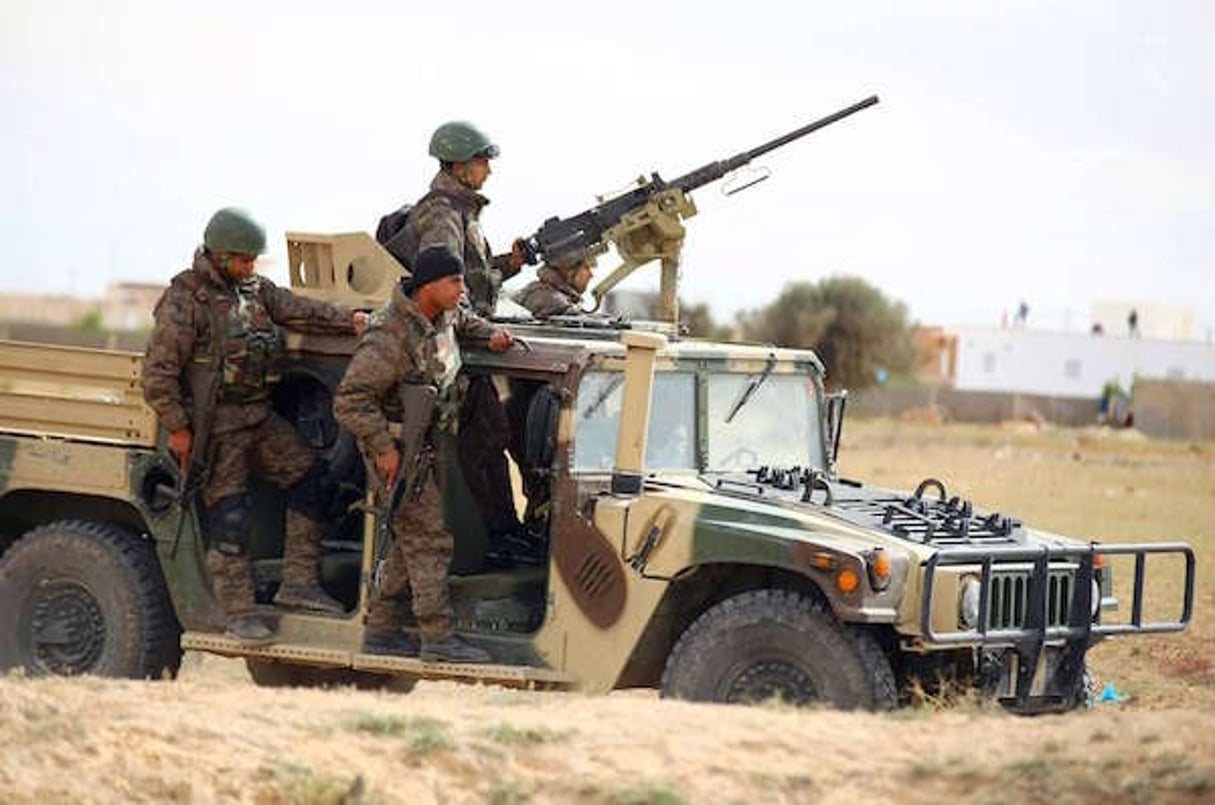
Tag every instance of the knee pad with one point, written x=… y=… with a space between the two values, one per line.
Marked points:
x=305 y=495
x=229 y=525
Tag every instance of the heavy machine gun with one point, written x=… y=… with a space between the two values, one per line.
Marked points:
x=645 y=222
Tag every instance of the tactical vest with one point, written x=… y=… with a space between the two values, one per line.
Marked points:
x=239 y=340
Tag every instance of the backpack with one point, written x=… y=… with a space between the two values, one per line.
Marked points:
x=392 y=223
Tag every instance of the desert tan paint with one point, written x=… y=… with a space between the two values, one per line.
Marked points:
x=74 y=392
x=570 y=642
x=54 y=465
x=349 y=268
x=635 y=407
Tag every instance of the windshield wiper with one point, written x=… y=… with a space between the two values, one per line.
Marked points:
x=751 y=388
x=603 y=395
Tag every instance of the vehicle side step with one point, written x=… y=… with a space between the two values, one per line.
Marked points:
x=515 y=676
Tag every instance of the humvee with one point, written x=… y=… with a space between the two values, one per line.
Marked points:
x=700 y=539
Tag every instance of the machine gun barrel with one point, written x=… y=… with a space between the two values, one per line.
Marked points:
x=585 y=231
x=715 y=170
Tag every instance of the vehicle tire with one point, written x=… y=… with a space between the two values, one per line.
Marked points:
x=768 y=644
x=276 y=674
x=81 y=597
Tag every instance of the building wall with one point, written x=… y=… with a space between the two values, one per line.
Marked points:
x=1071 y=364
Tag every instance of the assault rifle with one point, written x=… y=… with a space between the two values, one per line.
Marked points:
x=644 y=222
x=417 y=461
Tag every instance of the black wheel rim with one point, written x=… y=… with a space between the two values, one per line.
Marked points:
x=774 y=678
x=63 y=628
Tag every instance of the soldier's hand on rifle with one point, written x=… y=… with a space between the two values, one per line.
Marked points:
x=179 y=444
x=389 y=464
x=500 y=341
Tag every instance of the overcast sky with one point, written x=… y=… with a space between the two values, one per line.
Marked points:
x=1057 y=152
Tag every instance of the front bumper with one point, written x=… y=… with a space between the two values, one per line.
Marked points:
x=1029 y=671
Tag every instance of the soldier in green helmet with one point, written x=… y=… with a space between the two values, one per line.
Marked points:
x=208 y=373
x=449 y=216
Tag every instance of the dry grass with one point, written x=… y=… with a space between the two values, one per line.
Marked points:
x=212 y=736
x=1110 y=486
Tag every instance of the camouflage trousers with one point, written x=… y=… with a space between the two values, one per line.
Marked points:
x=275 y=452
x=417 y=564
x=271 y=448
x=481 y=443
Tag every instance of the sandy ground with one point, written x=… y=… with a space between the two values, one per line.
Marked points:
x=212 y=736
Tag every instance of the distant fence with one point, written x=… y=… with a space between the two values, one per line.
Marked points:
x=1175 y=409
x=1164 y=409
x=974 y=406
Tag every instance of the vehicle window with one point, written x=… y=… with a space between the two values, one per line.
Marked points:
x=776 y=424
x=672 y=433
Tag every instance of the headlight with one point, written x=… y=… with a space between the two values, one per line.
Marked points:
x=968 y=602
x=1096 y=599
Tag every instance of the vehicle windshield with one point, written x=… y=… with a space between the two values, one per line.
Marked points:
x=777 y=426
x=672 y=434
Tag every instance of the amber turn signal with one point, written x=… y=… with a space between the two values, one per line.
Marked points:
x=847 y=580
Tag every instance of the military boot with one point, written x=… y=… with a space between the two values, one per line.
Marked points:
x=393 y=641
x=232 y=582
x=452 y=649
x=301 y=587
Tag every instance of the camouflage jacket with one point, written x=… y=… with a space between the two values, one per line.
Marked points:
x=194 y=323
x=549 y=295
x=450 y=215
x=402 y=346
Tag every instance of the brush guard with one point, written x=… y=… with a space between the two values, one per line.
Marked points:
x=1033 y=669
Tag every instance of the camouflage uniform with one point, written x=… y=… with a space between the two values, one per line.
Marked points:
x=402 y=346
x=550 y=295
x=207 y=322
x=449 y=216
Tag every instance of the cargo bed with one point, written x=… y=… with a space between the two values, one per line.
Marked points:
x=74 y=393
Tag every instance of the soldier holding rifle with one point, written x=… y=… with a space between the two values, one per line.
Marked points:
x=208 y=373
x=413 y=341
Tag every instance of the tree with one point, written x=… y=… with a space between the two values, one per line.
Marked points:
x=697 y=321
x=852 y=326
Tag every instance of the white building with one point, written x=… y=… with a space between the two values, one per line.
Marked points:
x=1071 y=364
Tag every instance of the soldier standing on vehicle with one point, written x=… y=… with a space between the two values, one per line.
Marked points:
x=558 y=287
x=449 y=216
x=207 y=374
x=413 y=341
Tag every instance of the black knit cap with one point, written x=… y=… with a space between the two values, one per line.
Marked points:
x=432 y=264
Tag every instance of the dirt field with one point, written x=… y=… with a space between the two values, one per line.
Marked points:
x=212 y=736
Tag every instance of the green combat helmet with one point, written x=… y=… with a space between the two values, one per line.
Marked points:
x=458 y=141
x=231 y=230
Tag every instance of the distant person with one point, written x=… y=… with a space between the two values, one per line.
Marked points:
x=1022 y=314
x=1097 y=328
x=1132 y=323
x=208 y=373
x=558 y=287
